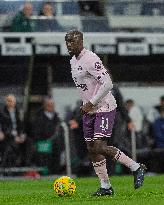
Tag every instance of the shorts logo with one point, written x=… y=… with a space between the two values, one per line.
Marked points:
x=104 y=124
x=98 y=66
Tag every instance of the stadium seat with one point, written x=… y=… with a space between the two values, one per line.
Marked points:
x=124 y=8
x=70 y=8
x=117 y=8
x=11 y=7
x=152 y=9
x=139 y=21
x=3 y=20
x=70 y=22
x=95 y=24
x=47 y=25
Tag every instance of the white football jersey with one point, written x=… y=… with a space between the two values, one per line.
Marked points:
x=89 y=74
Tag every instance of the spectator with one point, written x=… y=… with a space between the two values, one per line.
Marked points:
x=137 y=117
x=18 y=143
x=48 y=130
x=161 y=105
x=156 y=163
x=3 y=142
x=68 y=113
x=154 y=112
x=120 y=135
x=91 y=8
x=82 y=166
x=47 y=10
x=123 y=121
x=48 y=23
x=158 y=128
x=152 y=116
x=135 y=114
x=121 y=108
x=22 y=22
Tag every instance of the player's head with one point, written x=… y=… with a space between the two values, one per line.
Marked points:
x=74 y=42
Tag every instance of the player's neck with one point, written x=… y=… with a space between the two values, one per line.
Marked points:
x=78 y=54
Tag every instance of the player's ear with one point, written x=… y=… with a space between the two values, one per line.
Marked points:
x=81 y=42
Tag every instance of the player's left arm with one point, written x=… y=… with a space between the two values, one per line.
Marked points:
x=99 y=72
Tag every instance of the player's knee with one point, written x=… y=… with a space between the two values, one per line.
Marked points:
x=91 y=149
x=112 y=150
x=97 y=148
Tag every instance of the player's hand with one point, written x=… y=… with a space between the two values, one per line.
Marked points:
x=86 y=108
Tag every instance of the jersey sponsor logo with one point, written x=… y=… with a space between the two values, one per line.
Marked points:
x=98 y=66
x=82 y=85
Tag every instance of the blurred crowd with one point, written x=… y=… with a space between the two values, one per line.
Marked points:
x=40 y=16
x=148 y=129
x=23 y=23
x=26 y=20
x=45 y=147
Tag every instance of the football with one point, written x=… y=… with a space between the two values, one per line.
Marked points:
x=64 y=186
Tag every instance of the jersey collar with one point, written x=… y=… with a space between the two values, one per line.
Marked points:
x=81 y=54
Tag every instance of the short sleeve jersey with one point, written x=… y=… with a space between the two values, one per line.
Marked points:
x=88 y=75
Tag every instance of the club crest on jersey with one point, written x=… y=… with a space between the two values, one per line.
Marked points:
x=98 y=66
x=79 y=68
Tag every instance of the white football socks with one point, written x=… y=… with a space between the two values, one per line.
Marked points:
x=101 y=171
x=127 y=161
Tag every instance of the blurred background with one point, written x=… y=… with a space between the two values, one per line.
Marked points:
x=44 y=136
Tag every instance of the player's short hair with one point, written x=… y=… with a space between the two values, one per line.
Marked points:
x=74 y=34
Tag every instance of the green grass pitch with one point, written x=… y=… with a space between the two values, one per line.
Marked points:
x=40 y=192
